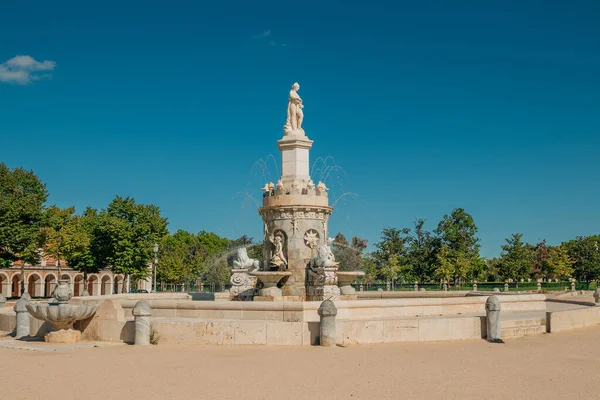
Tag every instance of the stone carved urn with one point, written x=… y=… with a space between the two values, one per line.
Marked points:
x=345 y=279
x=63 y=292
x=270 y=279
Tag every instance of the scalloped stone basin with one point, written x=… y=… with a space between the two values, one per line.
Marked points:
x=270 y=279
x=345 y=279
x=62 y=316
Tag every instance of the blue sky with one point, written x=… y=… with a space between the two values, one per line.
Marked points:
x=426 y=105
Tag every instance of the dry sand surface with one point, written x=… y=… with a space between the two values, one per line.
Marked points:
x=555 y=366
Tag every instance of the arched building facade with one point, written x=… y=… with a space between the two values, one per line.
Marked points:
x=40 y=280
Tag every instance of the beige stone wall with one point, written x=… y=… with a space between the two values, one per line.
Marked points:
x=559 y=321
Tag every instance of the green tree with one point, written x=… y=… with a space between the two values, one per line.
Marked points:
x=54 y=232
x=422 y=250
x=215 y=267
x=558 y=264
x=585 y=252
x=370 y=268
x=76 y=244
x=458 y=233
x=181 y=256
x=22 y=198
x=516 y=260
x=348 y=255
x=445 y=267
x=391 y=269
x=124 y=236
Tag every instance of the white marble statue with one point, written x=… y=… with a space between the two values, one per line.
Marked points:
x=278 y=258
x=310 y=185
x=321 y=188
x=266 y=188
x=295 y=115
x=324 y=259
x=330 y=255
x=242 y=261
x=279 y=186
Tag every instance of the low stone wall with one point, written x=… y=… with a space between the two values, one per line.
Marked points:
x=406 y=294
x=347 y=309
x=182 y=321
x=559 y=321
x=8 y=322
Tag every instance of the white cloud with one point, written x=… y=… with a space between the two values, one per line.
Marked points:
x=265 y=34
x=267 y=37
x=25 y=69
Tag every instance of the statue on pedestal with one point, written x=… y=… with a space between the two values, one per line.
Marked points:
x=278 y=259
x=242 y=261
x=295 y=115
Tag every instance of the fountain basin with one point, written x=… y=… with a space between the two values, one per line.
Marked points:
x=345 y=279
x=270 y=279
x=61 y=316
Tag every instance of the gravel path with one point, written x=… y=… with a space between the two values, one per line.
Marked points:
x=555 y=366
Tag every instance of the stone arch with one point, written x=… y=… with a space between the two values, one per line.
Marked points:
x=92 y=286
x=78 y=285
x=35 y=285
x=118 y=284
x=5 y=285
x=50 y=285
x=16 y=285
x=105 y=285
x=66 y=277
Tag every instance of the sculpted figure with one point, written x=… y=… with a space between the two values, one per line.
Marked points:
x=242 y=261
x=278 y=258
x=322 y=189
x=295 y=115
x=279 y=186
x=324 y=259
x=330 y=255
x=310 y=185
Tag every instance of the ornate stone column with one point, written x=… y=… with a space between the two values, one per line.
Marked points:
x=297 y=211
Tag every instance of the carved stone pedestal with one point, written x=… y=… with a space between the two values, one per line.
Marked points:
x=297 y=211
x=243 y=286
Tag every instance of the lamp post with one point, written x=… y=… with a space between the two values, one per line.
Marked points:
x=155 y=263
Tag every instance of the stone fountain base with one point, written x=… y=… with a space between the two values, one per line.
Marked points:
x=67 y=336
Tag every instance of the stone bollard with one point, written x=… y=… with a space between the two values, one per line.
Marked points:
x=492 y=319
x=327 y=313
x=361 y=288
x=23 y=318
x=2 y=300
x=539 y=287
x=496 y=290
x=506 y=287
x=416 y=286
x=597 y=296
x=475 y=286
x=142 y=311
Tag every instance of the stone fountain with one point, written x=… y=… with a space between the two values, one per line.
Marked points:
x=62 y=315
x=295 y=214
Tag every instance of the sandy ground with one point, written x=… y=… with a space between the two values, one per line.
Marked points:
x=556 y=366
